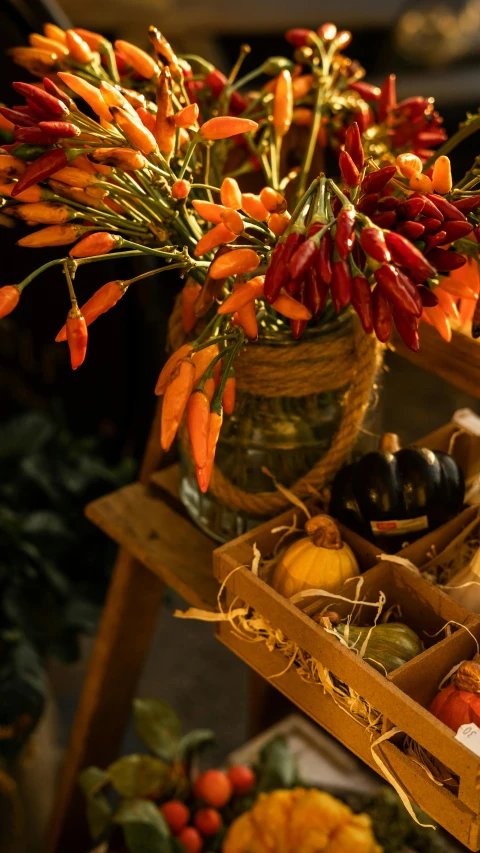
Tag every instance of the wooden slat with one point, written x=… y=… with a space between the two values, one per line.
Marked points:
x=164 y=541
x=457 y=362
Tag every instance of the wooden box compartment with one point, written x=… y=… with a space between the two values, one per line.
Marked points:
x=401 y=698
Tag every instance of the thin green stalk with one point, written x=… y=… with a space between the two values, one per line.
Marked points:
x=188 y=156
x=465 y=130
x=234 y=349
x=78 y=262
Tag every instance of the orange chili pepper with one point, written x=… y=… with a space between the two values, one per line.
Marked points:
x=247 y=318
x=122 y=158
x=228 y=399
x=217 y=236
x=163 y=48
x=82 y=162
x=222 y=127
x=208 y=210
x=458 y=288
x=94 y=40
x=11 y=167
x=187 y=117
x=442 y=175
x=301 y=85
x=447 y=303
x=283 y=103
x=138 y=135
x=74 y=177
x=138 y=59
x=5 y=124
x=202 y=360
x=190 y=291
x=32 y=57
x=409 y=164
x=33 y=193
x=436 y=317
x=99 y=243
x=175 y=400
x=55 y=33
x=234 y=263
x=253 y=207
x=302 y=116
x=243 y=293
x=89 y=93
x=233 y=221
x=77 y=195
x=181 y=189
x=77 y=336
x=45 y=212
x=421 y=183
x=198 y=418
x=278 y=223
x=147 y=119
x=53 y=235
x=165 y=128
x=79 y=49
x=37 y=40
x=230 y=194
x=272 y=200
x=101 y=301
x=291 y=308
x=169 y=367
x=9 y=298
x=204 y=474
x=114 y=98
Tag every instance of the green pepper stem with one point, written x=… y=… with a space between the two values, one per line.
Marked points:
x=465 y=130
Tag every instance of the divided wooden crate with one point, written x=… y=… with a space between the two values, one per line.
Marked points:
x=403 y=696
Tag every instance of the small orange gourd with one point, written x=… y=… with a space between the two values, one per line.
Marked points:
x=320 y=560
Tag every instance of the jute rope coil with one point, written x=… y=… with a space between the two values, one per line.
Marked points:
x=351 y=361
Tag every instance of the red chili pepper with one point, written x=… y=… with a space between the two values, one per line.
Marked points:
x=411 y=208
x=47 y=164
x=428 y=297
x=46 y=102
x=277 y=273
x=373 y=243
x=348 y=169
x=198 y=418
x=407 y=328
x=398 y=289
x=446 y=208
x=304 y=258
x=375 y=182
x=54 y=90
x=386 y=219
x=434 y=240
x=316 y=292
x=298 y=36
x=324 y=266
x=445 y=260
x=382 y=315
x=9 y=298
x=366 y=90
x=429 y=138
x=368 y=204
x=364 y=116
x=217 y=82
x=33 y=136
x=388 y=202
x=353 y=145
x=17 y=117
x=429 y=208
x=362 y=302
x=345 y=233
x=467 y=205
x=388 y=97
x=431 y=225
x=60 y=129
x=407 y=255
x=341 y=286
x=298 y=326
x=77 y=337
x=456 y=230
x=411 y=230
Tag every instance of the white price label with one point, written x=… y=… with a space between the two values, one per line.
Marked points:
x=469 y=735
x=395 y=527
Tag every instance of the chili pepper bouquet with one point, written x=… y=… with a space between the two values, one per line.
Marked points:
x=122 y=152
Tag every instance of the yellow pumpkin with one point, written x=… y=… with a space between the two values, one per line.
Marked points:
x=321 y=560
x=300 y=821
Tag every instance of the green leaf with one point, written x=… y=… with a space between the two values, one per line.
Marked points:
x=195 y=741
x=144 y=827
x=277 y=766
x=137 y=775
x=99 y=813
x=158 y=726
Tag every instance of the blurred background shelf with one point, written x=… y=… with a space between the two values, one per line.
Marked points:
x=457 y=362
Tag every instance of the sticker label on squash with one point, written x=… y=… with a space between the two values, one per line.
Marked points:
x=403 y=525
x=469 y=735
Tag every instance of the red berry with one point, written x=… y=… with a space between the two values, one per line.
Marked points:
x=242 y=779
x=214 y=787
x=191 y=839
x=176 y=814
x=208 y=821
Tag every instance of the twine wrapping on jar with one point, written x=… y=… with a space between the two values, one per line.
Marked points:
x=351 y=361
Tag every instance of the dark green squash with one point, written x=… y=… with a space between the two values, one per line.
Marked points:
x=394 y=495
x=389 y=646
